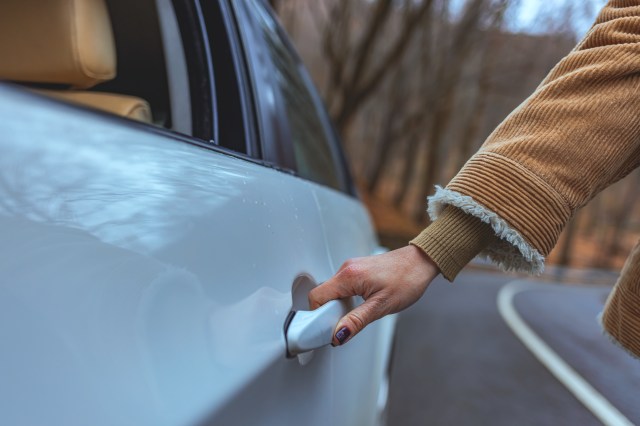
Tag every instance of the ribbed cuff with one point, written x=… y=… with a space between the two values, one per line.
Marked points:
x=453 y=240
x=516 y=195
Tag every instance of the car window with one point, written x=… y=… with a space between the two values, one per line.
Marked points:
x=153 y=64
x=137 y=46
x=315 y=157
x=141 y=68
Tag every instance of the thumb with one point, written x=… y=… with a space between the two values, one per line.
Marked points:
x=355 y=321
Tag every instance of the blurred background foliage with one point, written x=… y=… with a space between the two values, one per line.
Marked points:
x=415 y=86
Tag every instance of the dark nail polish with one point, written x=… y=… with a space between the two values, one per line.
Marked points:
x=343 y=334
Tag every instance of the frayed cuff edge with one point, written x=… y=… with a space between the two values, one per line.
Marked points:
x=520 y=256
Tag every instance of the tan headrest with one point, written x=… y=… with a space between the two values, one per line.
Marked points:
x=123 y=105
x=56 y=41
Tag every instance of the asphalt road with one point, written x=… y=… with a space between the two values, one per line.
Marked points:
x=456 y=361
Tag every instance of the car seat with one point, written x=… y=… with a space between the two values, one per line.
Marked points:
x=67 y=43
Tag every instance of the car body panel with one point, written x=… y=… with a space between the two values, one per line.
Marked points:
x=347 y=227
x=145 y=280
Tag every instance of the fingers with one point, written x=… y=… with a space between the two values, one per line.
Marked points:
x=349 y=281
x=346 y=283
x=356 y=320
x=388 y=283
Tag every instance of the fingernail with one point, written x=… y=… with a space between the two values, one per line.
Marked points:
x=343 y=334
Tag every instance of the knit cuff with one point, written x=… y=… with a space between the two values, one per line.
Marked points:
x=511 y=251
x=453 y=240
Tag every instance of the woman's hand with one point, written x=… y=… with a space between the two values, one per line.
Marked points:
x=388 y=282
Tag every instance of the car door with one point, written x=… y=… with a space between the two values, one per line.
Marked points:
x=145 y=275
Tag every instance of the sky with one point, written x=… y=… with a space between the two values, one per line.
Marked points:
x=537 y=16
x=527 y=13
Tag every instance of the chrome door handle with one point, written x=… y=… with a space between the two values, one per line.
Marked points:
x=309 y=330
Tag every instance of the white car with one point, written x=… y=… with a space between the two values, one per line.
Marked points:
x=170 y=190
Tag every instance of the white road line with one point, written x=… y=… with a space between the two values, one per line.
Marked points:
x=578 y=386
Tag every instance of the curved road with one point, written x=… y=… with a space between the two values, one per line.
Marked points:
x=457 y=362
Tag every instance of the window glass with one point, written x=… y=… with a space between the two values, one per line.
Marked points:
x=315 y=159
x=140 y=57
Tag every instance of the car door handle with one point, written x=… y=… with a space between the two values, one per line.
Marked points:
x=309 y=330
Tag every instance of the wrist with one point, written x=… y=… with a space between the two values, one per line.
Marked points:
x=423 y=261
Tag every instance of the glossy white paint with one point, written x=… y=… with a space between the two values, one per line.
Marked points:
x=348 y=229
x=146 y=281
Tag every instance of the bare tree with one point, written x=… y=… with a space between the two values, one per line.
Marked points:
x=464 y=38
x=357 y=66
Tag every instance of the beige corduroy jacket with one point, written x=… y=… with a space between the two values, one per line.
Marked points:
x=576 y=134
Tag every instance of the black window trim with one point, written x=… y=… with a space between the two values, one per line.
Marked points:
x=281 y=151
x=200 y=71
x=252 y=135
x=205 y=70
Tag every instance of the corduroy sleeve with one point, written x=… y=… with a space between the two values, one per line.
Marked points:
x=576 y=134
